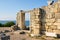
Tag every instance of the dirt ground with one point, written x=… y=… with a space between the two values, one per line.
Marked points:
x=16 y=36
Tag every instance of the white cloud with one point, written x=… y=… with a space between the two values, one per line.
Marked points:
x=7 y=18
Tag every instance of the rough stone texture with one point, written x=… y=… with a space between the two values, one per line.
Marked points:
x=35 y=21
x=52 y=18
x=46 y=19
x=21 y=19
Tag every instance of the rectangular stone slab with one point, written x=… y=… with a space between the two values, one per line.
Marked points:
x=50 y=34
x=48 y=20
x=56 y=24
x=58 y=20
x=58 y=27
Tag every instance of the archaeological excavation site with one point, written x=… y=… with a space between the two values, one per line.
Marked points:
x=44 y=24
x=44 y=20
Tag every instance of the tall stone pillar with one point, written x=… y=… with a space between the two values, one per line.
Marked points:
x=17 y=19
x=21 y=19
x=35 y=22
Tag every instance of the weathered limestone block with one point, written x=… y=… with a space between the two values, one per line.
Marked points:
x=36 y=27
x=56 y=7
x=59 y=10
x=56 y=24
x=57 y=15
x=17 y=19
x=58 y=27
x=51 y=34
x=50 y=15
x=32 y=25
x=33 y=17
x=53 y=27
x=46 y=27
x=49 y=23
x=50 y=20
x=38 y=16
x=32 y=13
x=21 y=21
x=37 y=31
x=33 y=22
x=58 y=20
x=49 y=30
x=37 y=11
x=46 y=30
x=37 y=19
x=37 y=22
x=51 y=10
x=58 y=31
x=54 y=31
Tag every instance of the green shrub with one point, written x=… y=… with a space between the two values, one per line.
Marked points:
x=9 y=24
x=1 y=24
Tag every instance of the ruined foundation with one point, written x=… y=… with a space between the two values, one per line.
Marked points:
x=46 y=19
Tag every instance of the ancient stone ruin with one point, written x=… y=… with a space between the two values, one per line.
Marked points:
x=45 y=19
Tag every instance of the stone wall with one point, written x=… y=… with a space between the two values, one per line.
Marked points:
x=45 y=19
x=51 y=19
x=35 y=21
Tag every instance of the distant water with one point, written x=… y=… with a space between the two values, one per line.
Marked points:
x=26 y=22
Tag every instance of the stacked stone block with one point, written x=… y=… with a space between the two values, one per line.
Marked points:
x=21 y=19
x=46 y=18
x=35 y=21
x=52 y=18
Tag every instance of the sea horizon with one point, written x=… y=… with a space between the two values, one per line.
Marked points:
x=5 y=21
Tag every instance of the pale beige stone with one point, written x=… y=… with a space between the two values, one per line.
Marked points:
x=21 y=20
x=38 y=16
x=37 y=19
x=46 y=27
x=50 y=20
x=49 y=30
x=49 y=23
x=36 y=31
x=56 y=24
x=53 y=27
x=36 y=27
x=58 y=31
x=58 y=20
x=57 y=15
x=51 y=34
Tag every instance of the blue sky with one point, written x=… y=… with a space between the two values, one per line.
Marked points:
x=9 y=8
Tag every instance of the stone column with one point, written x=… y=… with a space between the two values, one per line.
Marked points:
x=21 y=20
x=17 y=18
x=35 y=24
